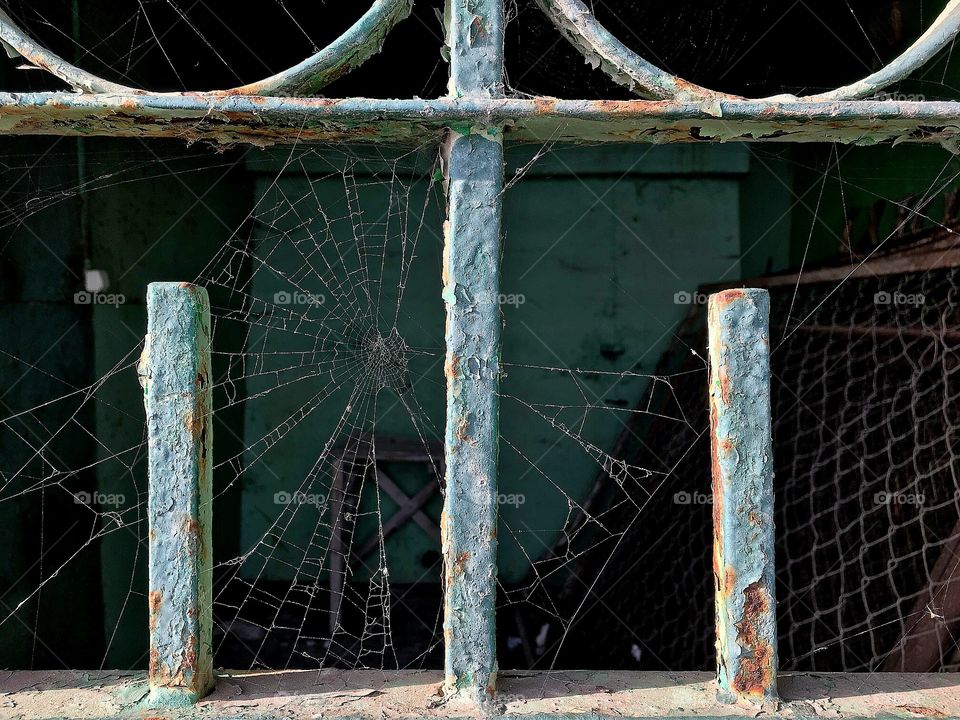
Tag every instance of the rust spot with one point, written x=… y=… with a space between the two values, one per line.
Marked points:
x=460 y=562
x=724 y=381
x=461 y=430
x=544 y=105
x=156 y=600
x=727 y=446
x=156 y=674
x=193 y=534
x=729 y=580
x=727 y=297
x=451 y=367
x=755 y=674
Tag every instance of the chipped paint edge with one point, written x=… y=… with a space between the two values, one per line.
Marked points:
x=742 y=471
x=174 y=372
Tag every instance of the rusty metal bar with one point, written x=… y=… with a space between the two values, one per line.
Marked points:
x=175 y=373
x=473 y=162
x=578 y=24
x=263 y=121
x=357 y=44
x=742 y=459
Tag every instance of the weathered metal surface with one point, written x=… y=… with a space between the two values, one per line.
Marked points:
x=742 y=459
x=473 y=162
x=579 y=25
x=360 y=42
x=260 y=121
x=175 y=374
x=388 y=695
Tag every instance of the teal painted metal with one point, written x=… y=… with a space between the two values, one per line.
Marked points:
x=580 y=26
x=742 y=457
x=471 y=288
x=175 y=373
x=358 y=43
x=264 y=121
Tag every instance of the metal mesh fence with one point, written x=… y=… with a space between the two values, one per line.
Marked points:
x=866 y=412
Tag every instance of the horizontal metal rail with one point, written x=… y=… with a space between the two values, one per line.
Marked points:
x=264 y=121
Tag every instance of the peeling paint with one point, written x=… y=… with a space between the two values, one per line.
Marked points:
x=360 y=42
x=225 y=121
x=178 y=398
x=601 y=49
x=473 y=179
x=741 y=457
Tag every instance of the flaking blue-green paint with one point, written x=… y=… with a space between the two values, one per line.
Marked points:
x=475 y=43
x=175 y=374
x=473 y=161
x=742 y=457
x=265 y=121
x=357 y=44
x=471 y=287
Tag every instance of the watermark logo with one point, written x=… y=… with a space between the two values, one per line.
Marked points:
x=515 y=499
x=298 y=498
x=512 y=299
x=697 y=498
x=895 y=498
x=900 y=97
x=298 y=298
x=899 y=298
x=84 y=297
x=100 y=499
x=687 y=298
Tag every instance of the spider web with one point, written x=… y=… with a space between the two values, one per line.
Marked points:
x=327 y=327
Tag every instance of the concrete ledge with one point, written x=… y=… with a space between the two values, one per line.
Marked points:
x=413 y=694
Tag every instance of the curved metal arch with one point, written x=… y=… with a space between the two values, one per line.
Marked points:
x=580 y=26
x=360 y=42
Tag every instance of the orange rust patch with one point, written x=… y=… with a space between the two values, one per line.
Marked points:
x=156 y=600
x=155 y=668
x=727 y=446
x=194 y=422
x=461 y=430
x=460 y=562
x=756 y=665
x=726 y=297
x=452 y=367
x=724 y=381
x=729 y=580
x=544 y=105
x=192 y=531
x=755 y=673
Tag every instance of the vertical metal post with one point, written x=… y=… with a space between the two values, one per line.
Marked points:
x=473 y=158
x=742 y=455
x=175 y=374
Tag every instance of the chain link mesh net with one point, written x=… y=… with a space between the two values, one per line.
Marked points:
x=866 y=410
